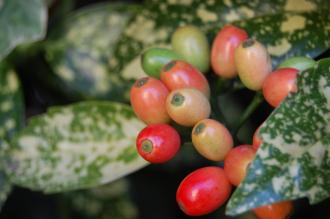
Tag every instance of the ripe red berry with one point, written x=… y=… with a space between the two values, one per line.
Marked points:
x=280 y=210
x=237 y=162
x=223 y=50
x=279 y=84
x=203 y=191
x=158 y=143
x=180 y=74
x=148 y=99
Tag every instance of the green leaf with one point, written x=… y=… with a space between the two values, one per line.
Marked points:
x=291 y=34
x=294 y=158
x=155 y=24
x=11 y=119
x=11 y=103
x=80 y=52
x=77 y=146
x=21 y=22
x=104 y=202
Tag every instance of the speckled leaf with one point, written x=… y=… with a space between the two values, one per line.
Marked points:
x=291 y=34
x=80 y=52
x=11 y=118
x=21 y=22
x=294 y=159
x=155 y=24
x=78 y=146
x=109 y=201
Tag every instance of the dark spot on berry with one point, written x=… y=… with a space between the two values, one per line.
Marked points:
x=141 y=82
x=247 y=43
x=169 y=66
x=147 y=146
x=177 y=99
x=199 y=128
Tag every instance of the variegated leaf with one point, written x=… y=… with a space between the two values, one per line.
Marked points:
x=78 y=146
x=294 y=158
x=80 y=52
x=280 y=25
x=21 y=22
x=11 y=119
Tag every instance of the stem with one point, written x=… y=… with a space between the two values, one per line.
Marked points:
x=216 y=112
x=257 y=100
x=220 y=85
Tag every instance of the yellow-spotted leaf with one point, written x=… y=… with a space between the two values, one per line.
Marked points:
x=11 y=119
x=294 y=158
x=77 y=146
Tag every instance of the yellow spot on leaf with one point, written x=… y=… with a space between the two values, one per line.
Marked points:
x=283 y=47
x=206 y=16
x=246 y=11
x=133 y=70
x=232 y=16
x=180 y=2
x=299 y=5
x=293 y=23
x=12 y=81
x=65 y=73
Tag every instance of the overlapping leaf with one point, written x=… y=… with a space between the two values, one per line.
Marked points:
x=81 y=51
x=280 y=25
x=294 y=158
x=78 y=146
x=11 y=118
x=21 y=22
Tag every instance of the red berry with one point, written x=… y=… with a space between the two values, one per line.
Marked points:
x=148 y=99
x=203 y=191
x=280 y=210
x=237 y=162
x=158 y=143
x=223 y=50
x=180 y=74
x=279 y=84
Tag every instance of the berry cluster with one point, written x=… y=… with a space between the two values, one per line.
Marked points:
x=177 y=91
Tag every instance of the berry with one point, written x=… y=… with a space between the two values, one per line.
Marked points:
x=148 y=98
x=203 y=191
x=187 y=106
x=253 y=63
x=180 y=74
x=237 y=161
x=158 y=143
x=223 y=50
x=211 y=139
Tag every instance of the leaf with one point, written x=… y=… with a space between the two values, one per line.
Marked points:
x=80 y=52
x=21 y=22
x=291 y=34
x=294 y=158
x=77 y=146
x=11 y=119
x=104 y=202
x=156 y=23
